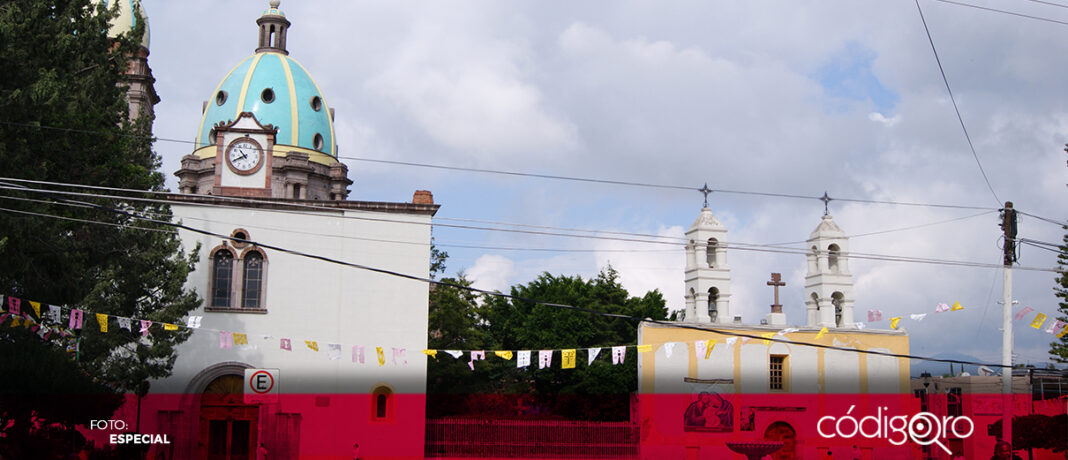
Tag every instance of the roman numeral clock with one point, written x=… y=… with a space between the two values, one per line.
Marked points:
x=244 y=152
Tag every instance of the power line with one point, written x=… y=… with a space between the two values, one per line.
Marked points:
x=954 y=101
x=513 y=297
x=735 y=246
x=1049 y=3
x=994 y=10
x=1046 y=219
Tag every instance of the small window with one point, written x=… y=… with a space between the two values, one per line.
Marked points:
x=267 y=95
x=833 y=253
x=776 y=370
x=317 y=141
x=710 y=252
x=222 y=278
x=220 y=98
x=211 y=136
x=383 y=399
x=713 y=297
x=837 y=299
x=316 y=103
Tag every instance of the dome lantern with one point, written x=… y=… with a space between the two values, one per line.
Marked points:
x=273 y=26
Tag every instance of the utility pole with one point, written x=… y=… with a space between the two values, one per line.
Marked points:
x=1008 y=225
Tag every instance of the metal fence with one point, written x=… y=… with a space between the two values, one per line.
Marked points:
x=462 y=437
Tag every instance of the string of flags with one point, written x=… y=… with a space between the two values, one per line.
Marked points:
x=398 y=355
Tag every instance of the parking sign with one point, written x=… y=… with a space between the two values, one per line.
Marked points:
x=261 y=386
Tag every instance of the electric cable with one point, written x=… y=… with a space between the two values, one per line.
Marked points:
x=954 y=101
x=736 y=246
x=994 y=10
x=714 y=330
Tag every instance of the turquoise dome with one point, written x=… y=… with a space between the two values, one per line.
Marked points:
x=278 y=91
x=127 y=18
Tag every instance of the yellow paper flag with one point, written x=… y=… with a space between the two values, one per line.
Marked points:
x=567 y=359
x=431 y=353
x=103 y=320
x=312 y=344
x=239 y=339
x=645 y=348
x=170 y=327
x=14 y=321
x=820 y=334
x=894 y=321
x=36 y=308
x=503 y=354
x=956 y=306
x=709 y=345
x=1063 y=331
x=1037 y=323
x=767 y=336
x=381 y=356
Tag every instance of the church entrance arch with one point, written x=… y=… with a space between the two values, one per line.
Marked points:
x=228 y=427
x=784 y=433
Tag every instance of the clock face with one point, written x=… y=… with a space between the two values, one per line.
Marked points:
x=244 y=155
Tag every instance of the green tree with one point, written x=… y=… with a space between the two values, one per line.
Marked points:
x=597 y=391
x=1058 y=349
x=62 y=70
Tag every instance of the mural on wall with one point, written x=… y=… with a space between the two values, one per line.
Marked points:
x=709 y=411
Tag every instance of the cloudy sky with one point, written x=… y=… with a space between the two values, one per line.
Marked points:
x=782 y=97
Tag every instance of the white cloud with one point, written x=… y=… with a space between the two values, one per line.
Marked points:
x=492 y=273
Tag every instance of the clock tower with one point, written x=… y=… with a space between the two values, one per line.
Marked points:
x=266 y=130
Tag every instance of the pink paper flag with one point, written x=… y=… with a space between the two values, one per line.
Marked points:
x=942 y=307
x=357 y=354
x=400 y=353
x=619 y=354
x=75 y=319
x=1023 y=312
x=875 y=315
x=13 y=305
x=1054 y=327
x=226 y=339
x=285 y=344
x=476 y=355
x=522 y=358
x=545 y=359
x=145 y=324
x=699 y=347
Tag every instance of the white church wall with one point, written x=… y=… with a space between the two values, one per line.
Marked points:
x=883 y=373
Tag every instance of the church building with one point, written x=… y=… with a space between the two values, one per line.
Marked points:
x=712 y=378
x=341 y=345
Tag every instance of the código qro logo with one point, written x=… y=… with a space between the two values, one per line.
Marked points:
x=923 y=428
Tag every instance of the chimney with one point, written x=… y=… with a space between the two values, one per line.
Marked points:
x=423 y=197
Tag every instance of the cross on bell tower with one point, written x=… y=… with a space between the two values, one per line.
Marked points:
x=776 y=317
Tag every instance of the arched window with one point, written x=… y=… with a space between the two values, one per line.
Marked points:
x=383 y=399
x=710 y=252
x=252 y=281
x=222 y=274
x=832 y=257
x=713 y=296
x=813 y=257
x=836 y=300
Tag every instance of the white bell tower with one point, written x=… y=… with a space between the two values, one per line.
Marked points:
x=828 y=283
x=708 y=278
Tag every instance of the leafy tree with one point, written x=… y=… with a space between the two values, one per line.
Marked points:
x=1058 y=350
x=62 y=70
x=1036 y=431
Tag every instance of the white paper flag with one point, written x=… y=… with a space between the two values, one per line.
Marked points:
x=522 y=358
x=918 y=317
x=193 y=322
x=700 y=347
x=731 y=341
x=669 y=347
x=124 y=323
x=619 y=354
x=333 y=351
x=402 y=354
x=545 y=359
x=55 y=312
x=593 y=355
x=860 y=326
x=454 y=353
x=789 y=330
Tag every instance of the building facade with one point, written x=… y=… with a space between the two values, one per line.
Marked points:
x=341 y=344
x=712 y=379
